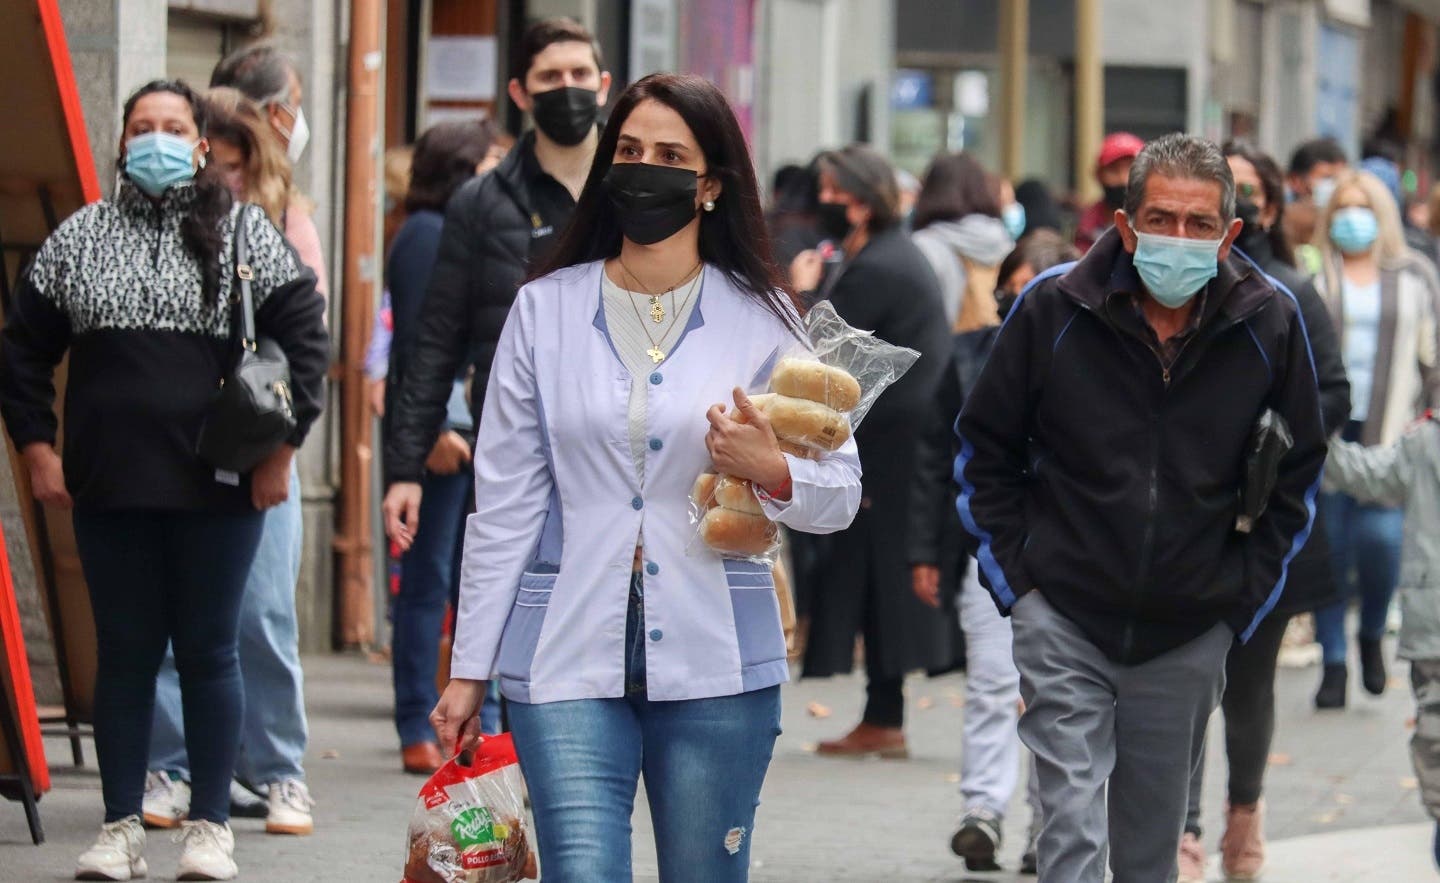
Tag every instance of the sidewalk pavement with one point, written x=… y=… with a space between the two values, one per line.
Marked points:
x=1341 y=795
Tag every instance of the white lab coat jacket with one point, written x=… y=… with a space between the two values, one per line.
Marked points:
x=545 y=582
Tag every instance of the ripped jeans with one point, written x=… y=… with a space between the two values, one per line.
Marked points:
x=704 y=761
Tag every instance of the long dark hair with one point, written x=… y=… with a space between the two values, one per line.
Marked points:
x=202 y=228
x=955 y=185
x=1272 y=181
x=733 y=237
x=445 y=157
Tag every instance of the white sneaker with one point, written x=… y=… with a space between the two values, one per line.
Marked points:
x=290 y=806
x=167 y=800
x=208 y=852
x=116 y=854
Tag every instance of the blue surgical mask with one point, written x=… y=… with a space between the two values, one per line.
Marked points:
x=1321 y=191
x=157 y=161
x=1173 y=268
x=1354 y=229
x=1014 y=217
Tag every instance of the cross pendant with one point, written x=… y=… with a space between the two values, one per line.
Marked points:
x=656 y=354
x=657 y=312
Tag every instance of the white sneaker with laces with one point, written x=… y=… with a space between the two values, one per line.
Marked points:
x=167 y=800
x=207 y=853
x=116 y=854
x=290 y=806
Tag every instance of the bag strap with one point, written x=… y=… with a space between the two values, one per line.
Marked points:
x=244 y=274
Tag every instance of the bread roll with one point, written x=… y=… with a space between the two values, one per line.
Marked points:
x=815 y=382
x=737 y=494
x=736 y=533
x=702 y=493
x=807 y=453
x=798 y=420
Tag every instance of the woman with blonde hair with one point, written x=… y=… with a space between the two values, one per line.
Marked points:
x=1382 y=297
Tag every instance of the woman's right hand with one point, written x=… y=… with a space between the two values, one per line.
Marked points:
x=455 y=717
x=47 y=475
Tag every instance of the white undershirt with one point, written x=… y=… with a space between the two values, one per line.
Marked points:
x=627 y=316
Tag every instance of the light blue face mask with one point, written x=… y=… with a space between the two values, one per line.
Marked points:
x=1173 y=268
x=1354 y=229
x=1014 y=217
x=157 y=161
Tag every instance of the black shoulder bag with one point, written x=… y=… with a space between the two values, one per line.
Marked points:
x=253 y=413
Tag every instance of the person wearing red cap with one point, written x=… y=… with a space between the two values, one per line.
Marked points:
x=1112 y=170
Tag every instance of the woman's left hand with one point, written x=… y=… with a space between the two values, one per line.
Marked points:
x=270 y=482
x=746 y=449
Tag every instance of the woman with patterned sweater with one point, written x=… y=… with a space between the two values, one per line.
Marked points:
x=138 y=290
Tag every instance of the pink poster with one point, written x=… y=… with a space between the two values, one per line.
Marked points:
x=717 y=41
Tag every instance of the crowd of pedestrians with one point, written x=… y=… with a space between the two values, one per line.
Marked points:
x=1099 y=491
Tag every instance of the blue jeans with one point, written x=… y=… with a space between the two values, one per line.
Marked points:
x=704 y=761
x=1365 y=556
x=274 y=732
x=157 y=578
x=429 y=576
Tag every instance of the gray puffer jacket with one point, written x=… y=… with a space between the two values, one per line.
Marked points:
x=1405 y=473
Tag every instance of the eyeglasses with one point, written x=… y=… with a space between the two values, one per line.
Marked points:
x=1246 y=190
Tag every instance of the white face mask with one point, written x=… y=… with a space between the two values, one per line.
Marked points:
x=298 y=137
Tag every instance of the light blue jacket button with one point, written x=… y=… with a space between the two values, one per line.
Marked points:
x=656 y=444
x=652 y=568
x=656 y=634
x=637 y=504
x=656 y=379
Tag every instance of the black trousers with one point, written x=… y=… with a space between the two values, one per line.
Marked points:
x=1249 y=709
x=158 y=578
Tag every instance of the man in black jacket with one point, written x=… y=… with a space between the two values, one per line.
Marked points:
x=496 y=227
x=1103 y=451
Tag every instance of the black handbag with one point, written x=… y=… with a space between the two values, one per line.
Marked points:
x=253 y=414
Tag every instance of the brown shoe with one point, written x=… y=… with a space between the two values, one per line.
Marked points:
x=867 y=739
x=1242 y=849
x=422 y=758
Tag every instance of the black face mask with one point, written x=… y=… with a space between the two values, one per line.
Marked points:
x=1252 y=231
x=653 y=202
x=566 y=115
x=830 y=218
x=1115 y=196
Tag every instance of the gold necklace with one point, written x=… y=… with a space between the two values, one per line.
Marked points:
x=657 y=309
x=656 y=354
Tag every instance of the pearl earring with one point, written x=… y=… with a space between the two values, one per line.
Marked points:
x=709 y=205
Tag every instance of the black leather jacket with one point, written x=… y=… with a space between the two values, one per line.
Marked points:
x=485 y=249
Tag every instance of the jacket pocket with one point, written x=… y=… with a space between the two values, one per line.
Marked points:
x=522 y=630
x=757 y=612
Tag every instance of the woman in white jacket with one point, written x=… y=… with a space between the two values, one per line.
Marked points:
x=623 y=646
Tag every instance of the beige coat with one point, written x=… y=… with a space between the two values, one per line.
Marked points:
x=1406 y=378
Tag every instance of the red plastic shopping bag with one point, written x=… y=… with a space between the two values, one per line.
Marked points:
x=469 y=822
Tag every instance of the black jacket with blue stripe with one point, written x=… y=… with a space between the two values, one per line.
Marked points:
x=1092 y=472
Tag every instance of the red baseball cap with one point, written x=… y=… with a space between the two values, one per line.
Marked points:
x=1118 y=146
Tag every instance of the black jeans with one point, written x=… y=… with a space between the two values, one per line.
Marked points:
x=1249 y=707
x=158 y=577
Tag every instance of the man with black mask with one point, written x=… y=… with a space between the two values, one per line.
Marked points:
x=496 y=227
x=1112 y=171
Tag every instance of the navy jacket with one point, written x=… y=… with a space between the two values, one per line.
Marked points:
x=1091 y=473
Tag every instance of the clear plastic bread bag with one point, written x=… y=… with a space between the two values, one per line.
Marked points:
x=469 y=823
x=818 y=394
